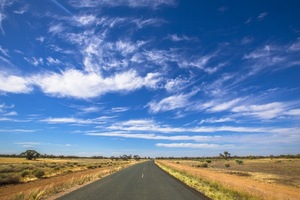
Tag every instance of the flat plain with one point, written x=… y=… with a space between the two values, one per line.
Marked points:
x=256 y=178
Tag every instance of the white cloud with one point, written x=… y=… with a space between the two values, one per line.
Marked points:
x=52 y=61
x=28 y=143
x=247 y=40
x=85 y=19
x=170 y=103
x=90 y=109
x=41 y=39
x=125 y=47
x=119 y=109
x=190 y=145
x=201 y=62
x=152 y=80
x=152 y=136
x=177 y=84
x=259 y=53
x=261 y=16
x=176 y=38
x=214 y=120
x=74 y=83
x=153 y=4
x=66 y=120
x=295 y=46
x=72 y=120
x=35 y=61
x=148 y=125
x=78 y=84
x=293 y=112
x=3 y=5
x=263 y=111
x=4 y=51
x=17 y=131
x=224 y=106
x=141 y=23
x=56 y=28
x=14 y=84
x=2 y=17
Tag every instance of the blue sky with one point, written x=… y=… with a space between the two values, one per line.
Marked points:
x=153 y=78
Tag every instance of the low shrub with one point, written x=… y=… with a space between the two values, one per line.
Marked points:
x=239 y=162
x=9 y=179
x=25 y=173
x=38 y=173
x=227 y=165
x=202 y=165
x=7 y=169
x=57 y=168
x=208 y=161
x=91 y=167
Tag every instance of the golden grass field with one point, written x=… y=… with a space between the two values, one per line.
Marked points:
x=231 y=179
x=22 y=179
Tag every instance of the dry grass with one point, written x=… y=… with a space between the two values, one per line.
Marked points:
x=19 y=170
x=211 y=189
x=274 y=171
x=59 y=175
x=253 y=180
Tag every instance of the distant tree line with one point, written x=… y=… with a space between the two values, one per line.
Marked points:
x=32 y=155
x=128 y=157
x=229 y=157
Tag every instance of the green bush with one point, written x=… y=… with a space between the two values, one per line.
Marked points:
x=203 y=165
x=227 y=165
x=38 y=173
x=9 y=179
x=24 y=173
x=239 y=162
x=208 y=161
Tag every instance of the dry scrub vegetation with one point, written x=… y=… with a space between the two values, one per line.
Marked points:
x=239 y=179
x=25 y=179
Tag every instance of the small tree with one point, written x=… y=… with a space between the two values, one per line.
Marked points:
x=137 y=157
x=30 y=154
x=226 y=155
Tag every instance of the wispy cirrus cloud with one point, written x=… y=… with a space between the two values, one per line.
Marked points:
x=216 y=120
x=224 y=106
x=28 y=144
x=128 y=3
x=3 y=15
x=148 y=125
x=262 y=16
x=151 y=136
x=177 y=38
x=170 y=103
x=263 y=111
x=35 y=61
x=17 y=131
x=271 y=57
x=73 y=120
x=193 y=145
x=268 y=136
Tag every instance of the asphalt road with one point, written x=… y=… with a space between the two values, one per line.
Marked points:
x=144 y=181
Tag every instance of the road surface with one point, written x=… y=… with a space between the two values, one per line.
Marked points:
x=144 y=181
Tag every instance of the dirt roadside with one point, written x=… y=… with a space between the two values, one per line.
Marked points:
x=263 y=190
